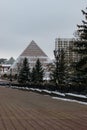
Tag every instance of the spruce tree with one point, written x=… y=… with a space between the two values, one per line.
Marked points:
x=81 y=49
x=62 y=67
x=58 y=74
x=55 y=73
x=39 y=72
x=33 y=75
x=24 y=73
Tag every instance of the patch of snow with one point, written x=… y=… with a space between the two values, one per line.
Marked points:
x=58 y=93
x=27 y=88
x=69 y=100
x=15 y=87
x=39 y=90
x=46 y=91
x=76 y=95
x=32 y=89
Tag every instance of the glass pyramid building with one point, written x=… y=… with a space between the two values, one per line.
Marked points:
x=32 y=53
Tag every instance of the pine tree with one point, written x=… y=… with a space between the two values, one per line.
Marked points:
x=24 y=74
x=58 y=74
x=62 y=67
x=33 y=75
x=55 y=73
x=81 y=50
x=39 y=72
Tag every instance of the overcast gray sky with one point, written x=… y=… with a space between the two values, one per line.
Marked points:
x=40 y=20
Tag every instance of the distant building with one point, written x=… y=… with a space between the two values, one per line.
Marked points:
x=32 y=53
x=4 y=68
x=10 y=61
x=5 y=65
x=3 y=61
x=67 y=44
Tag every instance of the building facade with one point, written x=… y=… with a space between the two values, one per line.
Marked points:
x=5 y=65
x=67 y=44
x=4 y=68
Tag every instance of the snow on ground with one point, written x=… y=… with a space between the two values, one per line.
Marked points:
x=56 y=94
x=76 y=95
x=46 y=91
x=38 y=90
x=69 y=100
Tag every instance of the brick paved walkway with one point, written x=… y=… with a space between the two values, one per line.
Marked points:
x=22 y=110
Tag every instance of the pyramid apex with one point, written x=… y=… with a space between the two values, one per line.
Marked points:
x=32 y=41
x=33 y=50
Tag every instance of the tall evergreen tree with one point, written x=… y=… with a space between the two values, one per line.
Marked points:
x=39 y=72
x=58 y=74
x=24 y=74
x=81 y=50
x=62 y=67
x=33 y=75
